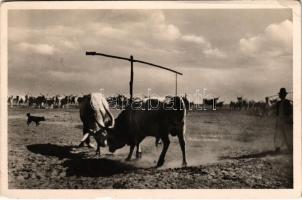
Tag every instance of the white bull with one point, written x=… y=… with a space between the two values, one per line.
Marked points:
x=96 y=118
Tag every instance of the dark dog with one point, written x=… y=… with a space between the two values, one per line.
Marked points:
x=35 y=119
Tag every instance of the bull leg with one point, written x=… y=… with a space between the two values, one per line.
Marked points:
x=138 y=151
x=100 y=143
x=130 y=152
x=166 y=143
x=157 y=141
x=182 y=144
x=98 y=150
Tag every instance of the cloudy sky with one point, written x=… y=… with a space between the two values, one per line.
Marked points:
x=228 y=52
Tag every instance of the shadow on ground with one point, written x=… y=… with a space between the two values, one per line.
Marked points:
x=95 y=167
x=254 y=155
x=77 y=165
x=80 y=126
x=53 y=150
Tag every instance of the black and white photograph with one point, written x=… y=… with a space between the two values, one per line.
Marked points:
x=152 y=97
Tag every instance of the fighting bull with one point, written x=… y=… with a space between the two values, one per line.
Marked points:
x=138 y=121
x=96 y=118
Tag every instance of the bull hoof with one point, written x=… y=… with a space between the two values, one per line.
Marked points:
x=184 y=164
x=127 y=159
x=157 y=144
x=98 y=153
x=139 y=155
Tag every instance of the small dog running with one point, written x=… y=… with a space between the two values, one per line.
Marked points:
x=35 y=119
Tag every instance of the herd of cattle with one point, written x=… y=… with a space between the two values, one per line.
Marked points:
x=121 y=101
x=258 y=107
x=43 y=101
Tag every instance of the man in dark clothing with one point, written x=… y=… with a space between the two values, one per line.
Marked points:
x=284 y=122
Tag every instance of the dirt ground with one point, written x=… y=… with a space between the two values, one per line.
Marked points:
x=225 y=149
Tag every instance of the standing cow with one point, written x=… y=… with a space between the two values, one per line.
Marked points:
x=135 y=123
x=10 y=100
x=96 y=118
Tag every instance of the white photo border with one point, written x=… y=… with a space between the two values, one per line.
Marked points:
x=155 y=193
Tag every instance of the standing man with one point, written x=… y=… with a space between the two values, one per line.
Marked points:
x=284 y=122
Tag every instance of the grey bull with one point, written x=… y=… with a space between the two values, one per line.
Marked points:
x=139 y=121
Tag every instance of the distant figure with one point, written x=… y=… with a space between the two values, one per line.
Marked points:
x=35 y=119
x=284 y=123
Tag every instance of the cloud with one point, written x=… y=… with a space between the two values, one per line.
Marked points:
x=44 y=49
x=203 y=52
x=171 y=32
x=206 y=46
x=105 y=30
x=24 y=33
x=69 y=44
x=276 y=40
x=214 y=53
x=151 y=33
x=194 y=38
x=156 y=24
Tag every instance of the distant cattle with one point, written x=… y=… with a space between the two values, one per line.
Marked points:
x=239 y=104
x=210 y=102
x=261 y=107
x=273 y=101
x=63 y=102
x=10 y=100
x=219 y=104
x=232 y=105
x=40 y=101
x=251 y=104
x=79 y=100
x=43 y=101
x=73 y=99
x=31 y=101
x=17 y=100
x=134 y=124
x=50 y=102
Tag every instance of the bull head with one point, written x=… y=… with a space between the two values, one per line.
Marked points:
x=95 y=107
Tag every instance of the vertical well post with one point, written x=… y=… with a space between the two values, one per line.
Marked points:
x=175 y=84
x=131 y=79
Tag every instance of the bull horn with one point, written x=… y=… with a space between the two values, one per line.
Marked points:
x=85 y=137
x=112 y=118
